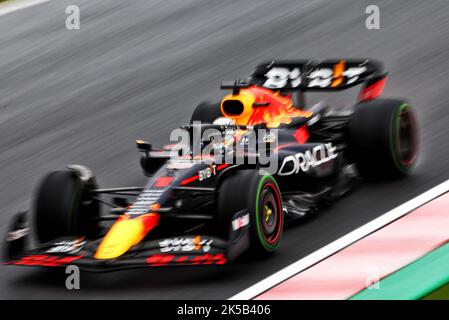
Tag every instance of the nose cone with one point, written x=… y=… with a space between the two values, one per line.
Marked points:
x=124 y=234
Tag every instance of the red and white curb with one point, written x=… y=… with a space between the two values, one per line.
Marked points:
x=316 y=277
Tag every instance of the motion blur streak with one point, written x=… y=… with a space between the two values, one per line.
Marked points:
x=137 y=68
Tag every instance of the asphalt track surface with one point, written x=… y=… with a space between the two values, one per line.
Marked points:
x=136 y=69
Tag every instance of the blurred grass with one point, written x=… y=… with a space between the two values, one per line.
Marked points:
x=440 y=294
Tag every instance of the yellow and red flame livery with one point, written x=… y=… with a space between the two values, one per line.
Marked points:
x=261 y=105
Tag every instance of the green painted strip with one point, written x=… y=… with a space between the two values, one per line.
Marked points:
x=414 y=281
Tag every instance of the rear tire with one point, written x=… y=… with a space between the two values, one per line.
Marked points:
x=262 y=199
x=206 y=112
x=383 y=138
x=64 y=206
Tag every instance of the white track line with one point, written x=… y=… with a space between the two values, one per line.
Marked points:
x=14 y=5
x=341 y=243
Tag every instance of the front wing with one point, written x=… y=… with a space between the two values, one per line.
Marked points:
x=185 y=250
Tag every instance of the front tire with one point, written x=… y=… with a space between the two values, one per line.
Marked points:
x=64 y=206
x=263 y=202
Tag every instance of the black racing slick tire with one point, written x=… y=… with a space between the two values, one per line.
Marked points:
x=63 y=206
x=206 y=112
x=262 y=199
x=383 y=136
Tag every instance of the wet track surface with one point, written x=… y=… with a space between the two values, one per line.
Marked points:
x=136 y=69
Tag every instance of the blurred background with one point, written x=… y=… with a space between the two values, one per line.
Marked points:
x=137 y=69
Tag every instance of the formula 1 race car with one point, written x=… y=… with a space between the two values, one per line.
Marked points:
x=237 y=171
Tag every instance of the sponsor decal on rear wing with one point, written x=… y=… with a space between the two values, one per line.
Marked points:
x=328 y=75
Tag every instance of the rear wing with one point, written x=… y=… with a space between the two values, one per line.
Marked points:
x=328 y=75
